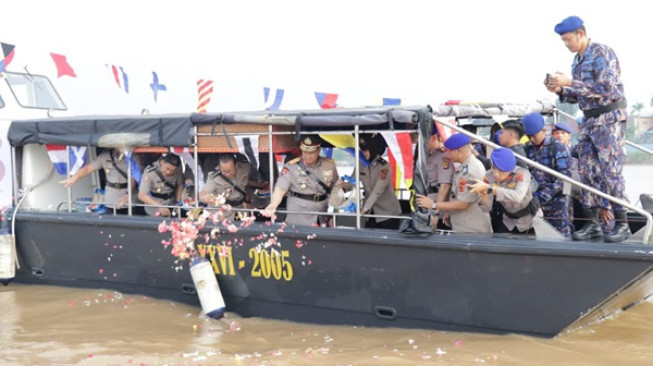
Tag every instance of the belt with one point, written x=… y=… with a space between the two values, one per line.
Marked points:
x=309 y=197
x=433 y=189
x=165 y=196
x=116 y=186
x=532 y=208
x=591 y=113
x=235 y=202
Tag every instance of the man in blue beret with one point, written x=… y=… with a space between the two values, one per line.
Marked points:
x=552 y=192
x=463 y=211
x=509 y=186
x=597 y=88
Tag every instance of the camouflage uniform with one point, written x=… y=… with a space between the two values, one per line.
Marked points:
x=115 y=170
x=163 y=189
x=597 y=83
x=300 y=186
x=515 y=195
x=217 y=184
x=472 y=219
x=380 y=198
x=440 y=170
x=550 y=192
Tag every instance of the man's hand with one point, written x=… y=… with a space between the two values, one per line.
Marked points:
x=122 y=201
x=164 y=211
x=424 y=201
x=606 y=215
x=269 y=210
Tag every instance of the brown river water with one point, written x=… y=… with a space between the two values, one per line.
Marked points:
x=42 y=325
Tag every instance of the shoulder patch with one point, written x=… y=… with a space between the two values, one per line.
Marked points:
x=284 y=170
x=150 y=168
x=384 y=174
x=294 y=161
x=519 y=177
x=381 y=161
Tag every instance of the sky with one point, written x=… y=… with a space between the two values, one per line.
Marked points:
x=424 y=52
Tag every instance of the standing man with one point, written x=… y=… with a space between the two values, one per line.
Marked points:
x=464 y=207
x=308 y=180
x=440 y=172
x=230 y=181
x=597 y=88
x=550 y=190
x=162 y=184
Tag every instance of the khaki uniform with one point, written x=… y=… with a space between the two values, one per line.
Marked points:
x=473 y=219
x=440 y=170
x=154 y=185
x=116 y=182
x=513 y=194
x=380 y=198
x=216 y=184
x=294 y=179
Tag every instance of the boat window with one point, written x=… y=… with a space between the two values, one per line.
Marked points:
x=34 y=91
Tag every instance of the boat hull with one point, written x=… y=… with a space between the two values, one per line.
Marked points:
x=347 y=276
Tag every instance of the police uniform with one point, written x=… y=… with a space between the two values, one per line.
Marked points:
x=380 y=198
x=440 y=170
x=473 y=219
x=114 y=166
x=551 y=194
x=162 y=188
x=218 y=184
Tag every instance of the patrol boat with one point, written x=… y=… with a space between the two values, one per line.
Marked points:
x=345 y=274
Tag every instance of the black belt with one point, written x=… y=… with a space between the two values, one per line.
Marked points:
x=116 y=186
x=433 y=189
x=235 y=202
x=310 y=197
x=620 y=104
x=165 y=196
x=532 y=208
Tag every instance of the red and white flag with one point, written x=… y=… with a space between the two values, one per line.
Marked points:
x=61 y=156
x=400 y=154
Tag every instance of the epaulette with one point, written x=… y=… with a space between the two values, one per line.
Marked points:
x=380 y=160
x=294 y=161
x=328 y=160
x=150 y=168
x=214 y=173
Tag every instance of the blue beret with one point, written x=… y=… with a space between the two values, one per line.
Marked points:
x=562 y=126
x=533 y=123
x=568 y=24
x=503 y=159
x=456 y=141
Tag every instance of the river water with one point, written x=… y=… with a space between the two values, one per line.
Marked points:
x=42 y=325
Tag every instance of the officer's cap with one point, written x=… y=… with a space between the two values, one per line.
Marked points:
x=533 y=123
x=456 y=141
x=503 y=159
x=309 y=143
x=562 y=127
x=568 y=24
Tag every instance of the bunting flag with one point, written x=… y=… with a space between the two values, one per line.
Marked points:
x=134 y=169
x=400 y=154
x=189 y=159
x=61 y=156
x=120 y=76
x=272 y=104
x=347 y=143
x=156 y=86
x=391 y=101
x=443 y=130
x=326 y=100
x=7 y=55
x=248 y=146
x=204 y=91
x=63 y=67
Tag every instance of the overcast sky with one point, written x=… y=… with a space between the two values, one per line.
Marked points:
x=420 y=51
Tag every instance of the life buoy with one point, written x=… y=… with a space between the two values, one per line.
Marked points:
x=208 y=290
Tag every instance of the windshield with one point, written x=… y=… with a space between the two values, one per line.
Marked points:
x=34 y=91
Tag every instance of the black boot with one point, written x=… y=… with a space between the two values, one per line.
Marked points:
x=621 y=230
x=591 y=229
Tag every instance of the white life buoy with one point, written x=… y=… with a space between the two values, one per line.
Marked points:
x=7 y=266
x=208 y=290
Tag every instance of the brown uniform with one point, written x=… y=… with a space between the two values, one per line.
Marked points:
x=304 y=192
x=163 y=189
x=473 y=219
x=115 y=170
x=440 y=170
x=380 y=198
x=217 y=184
x=515 y=195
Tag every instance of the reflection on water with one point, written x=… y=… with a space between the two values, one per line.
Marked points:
x=60 y=326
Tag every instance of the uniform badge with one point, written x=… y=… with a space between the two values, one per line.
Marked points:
x=446 y=162
x=464 y=169
x=384 y=174
x=519 y=177
x=284 y=170
x=512 y=185
x=462 y=183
